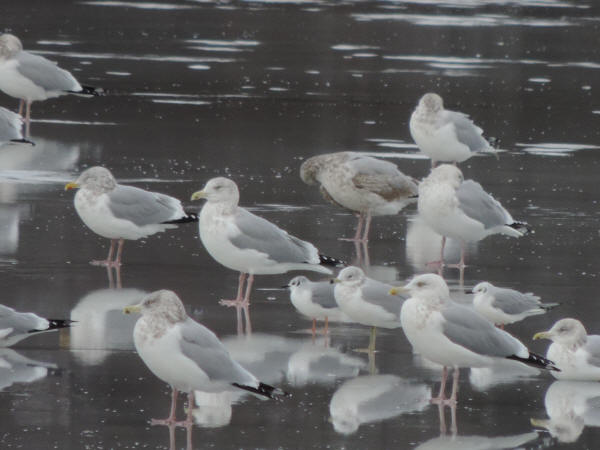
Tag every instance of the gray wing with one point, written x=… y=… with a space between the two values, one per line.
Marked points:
x=378 y=293
x=592 y=346
x=381 y=177
x=468 y=329
x=21 y=323
x=514 y=302
x=322 y=294
x=261 y=235
x=481 y=206
x=10 y=125
x=143 y=207
x=45 y=73
x=467 y=132
x=203 y=347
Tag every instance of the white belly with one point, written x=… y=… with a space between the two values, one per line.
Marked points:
x=439 y=144
x=16 y=85
x=364 y=312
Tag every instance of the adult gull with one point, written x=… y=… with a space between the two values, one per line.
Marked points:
x=454 y=335
x=443 y=135
x=364 y=185
x=16 y=326
x=185 y=354
x=118 y=212
x=30 y=77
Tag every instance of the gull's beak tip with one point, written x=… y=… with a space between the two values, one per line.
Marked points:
x=540 y=335
x=71 y=185
x=198 y=195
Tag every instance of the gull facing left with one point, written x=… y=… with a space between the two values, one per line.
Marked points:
x=185 y=354
x=16 y=326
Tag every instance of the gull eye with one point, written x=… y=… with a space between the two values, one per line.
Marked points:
x=420 y=284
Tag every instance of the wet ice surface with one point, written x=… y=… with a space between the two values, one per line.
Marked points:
x=248 y=90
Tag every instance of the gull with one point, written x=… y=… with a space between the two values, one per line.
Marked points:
x=364 y=185
x=118 y=212
x=31 y=78
x=445 y=136
x=10 y=127
x=185 y=354
x=249 y=244
x=16 y=326
x=576 y=353
x=315 y=299
x=367 y=301
x=462 y=210
x=503 y=306
x=454 y=335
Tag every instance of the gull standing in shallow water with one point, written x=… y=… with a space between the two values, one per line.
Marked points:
x=31 y=78
x=118 y=212
x=503 y=306
x=186 y=354
x=445 y=136
x=16 y=326
x=364 y=185
x=576 y=353
x=249 y=244
x=462 y=210
x=455 y=336
x=10 y=127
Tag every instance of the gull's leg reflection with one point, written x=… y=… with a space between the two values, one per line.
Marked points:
x=442 y=415
x=359 y=227
x=27 y=119
x=372 y=366
x=171 y=419
x=326 y=328
x=21 y=104
x=362 y=254
x=237 y=302
x=111 y=278
x=246 y=304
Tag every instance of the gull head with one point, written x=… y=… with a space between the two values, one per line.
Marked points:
x=447 y=173
x=567 y=332
x=10 y=45
x=298 y=282
x=432 y=103
x=97 y=179
x=482 y=288
x=163 y=305
x=429 y=287
x=219 y=190
x=351 y=276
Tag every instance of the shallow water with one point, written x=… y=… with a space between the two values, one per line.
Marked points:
x=248 y=89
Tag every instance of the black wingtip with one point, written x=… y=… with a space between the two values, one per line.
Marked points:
x=522 y=227
x=55 y=324
x=332 y=262
x=90 y=90
x=536 y=360
x=22 y=141
x=189 y=217
x=263 y=389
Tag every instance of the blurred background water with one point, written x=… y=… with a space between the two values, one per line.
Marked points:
x=249 y=89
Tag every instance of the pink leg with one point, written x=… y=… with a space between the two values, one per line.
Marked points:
x=27 y=119
x=117 y=261
x=365 y=237
x=246 y=304
x=452 y=400
x=442 y=394
x=171 y=419
x=108 y=261
x=314 y=329
x=237 y=303
x=21 y=104
x=359 y=228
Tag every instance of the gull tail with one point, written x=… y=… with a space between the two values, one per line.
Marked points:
x=536 y=360
x=90 y=90
x=330 y=261
x=521 y=227
x=548 y=306
x=189 y=217
x=263 y=389
x=22 y=141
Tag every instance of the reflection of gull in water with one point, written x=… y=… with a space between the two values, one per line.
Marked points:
x=571 y=405
x=372 y=398
x=10 y=126
x=483 y=378
x=16 y=368
x=317 y=364
x=455 y=442
x=101 y=325
x=213 y=409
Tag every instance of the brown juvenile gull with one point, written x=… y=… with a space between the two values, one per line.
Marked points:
x=364 y=185
x=16 y=326
x=120 y=212
x=445 y=136
x=185 y=354
x=31 y=78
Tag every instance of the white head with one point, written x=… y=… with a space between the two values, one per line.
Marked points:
x=567 y=332
x=160 y=305
x=298 y=282
x=97 y=179
x=351 y=276
x=10 y=45
x=219 y=190
x=429 y=287
x=447 y=173
x=432 y=103
x=482 y=288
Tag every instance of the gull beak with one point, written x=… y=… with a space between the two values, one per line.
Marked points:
x=198 y=195
x=71 y=185
x=335 y=280
x=285 y=286
x=539 y=423
x=398 y=290
x=132 y=309
x=541 y=335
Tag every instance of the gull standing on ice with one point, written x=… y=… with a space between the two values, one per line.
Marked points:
x=185 y=354
x=10 y=127
x=454 y=335
x=315 y=299
x=503 y=306
x=367 y=301
x=249 y=244
x=445 y=136
x=576 y=353
x=364 y=185
x=31 y=78
x=118 y=212
x=16 y=326
x=462 y=210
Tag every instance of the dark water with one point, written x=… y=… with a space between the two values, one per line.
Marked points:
x=248 y=90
